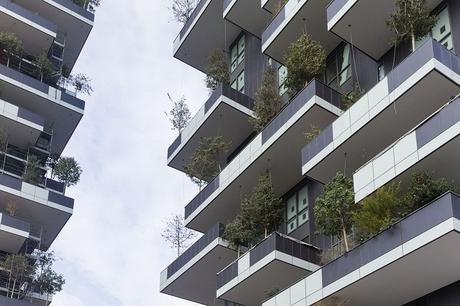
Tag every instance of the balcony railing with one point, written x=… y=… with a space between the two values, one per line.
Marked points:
x=26 y=14
x=189 y=22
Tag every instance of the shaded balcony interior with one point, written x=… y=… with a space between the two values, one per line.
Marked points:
x=13 y=233
x=275 y=149
x=417 y=87
x=248 y=15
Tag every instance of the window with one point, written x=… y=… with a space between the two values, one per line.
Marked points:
x=441 y=31
x=338 y=69
x=297 y=210
x=237 y=54
x=282 y=75
x=238 y=83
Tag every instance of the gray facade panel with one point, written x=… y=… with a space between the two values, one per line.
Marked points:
x=8 y=4
x=15 y=223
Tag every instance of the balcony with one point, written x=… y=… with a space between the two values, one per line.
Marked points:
x=205 y=32
x=296 y=17
x=432 y=147
x=33 y=300
x=73 y=21
x=364 y=21
x=226 y=113
x=276 y=148
x=421 y=250
x=36 y=32
x=276 y=262
x=248 y=15
x=42 y=207
x=192 y=276
x=270 y=5
x=422 y=83
x=56 y=105
x=13 y=233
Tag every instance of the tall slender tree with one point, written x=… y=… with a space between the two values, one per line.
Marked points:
x=182 y=10
x=179 y=115
x=176 y=234
x=217 y=71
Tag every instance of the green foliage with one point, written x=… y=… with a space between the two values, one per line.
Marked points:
x=217 y=70
x=179 y=115
x=354 y=95
x=423 y=189
x=67 y=171
x=32 y=173
x=204 y=163
x=10 y=43
x=46 y=280
x=44 y=66
x=82 y=83
x=335 y=207
x=182 y=9
x=411 y=21
x=379 y=211
x=268 y=102
x=19 y=271
x=312 y=133
x=305 y=60
x=239 y=232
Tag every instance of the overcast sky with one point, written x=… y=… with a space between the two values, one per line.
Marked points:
x=111 y=251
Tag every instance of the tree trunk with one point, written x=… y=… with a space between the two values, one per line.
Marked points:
x=345 y=239
x=412 y=36
x=239 y=251
x=14 y=287
x=266 y=232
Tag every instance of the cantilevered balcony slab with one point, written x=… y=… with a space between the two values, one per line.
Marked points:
x=276 y=149
x=43 y=208
x=270 y=6
x=362 y=21
x=22 y=126
x=205 y=32
x=248 y=15
x=421 y=84
x=36 y=32
x=226 y=113
x=61 y=110
x=192 y=276
x=432 y=147
x=295 y=18
x=13 y=233
x=74 y=23
x=276 y=262
x=421 y=250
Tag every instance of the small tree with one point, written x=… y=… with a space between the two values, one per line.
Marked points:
x=11 y=44
x=424 y=188
x=268 y=102
x=312 y=133
x=335 y=207
x=179 y=115
x=239 y=232
x=205 y=161
x=32 y=173
x=182 y=9
x=67 y=170
x=19 y=271
x=46 y=280
x=217 y=70
x=44 y=67
x=411 y=21
x=305 y=60
x=176 y=234
x=379 y=211
x=82 y=83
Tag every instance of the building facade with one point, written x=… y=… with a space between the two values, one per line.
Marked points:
x=40 y=44
x=406 y=121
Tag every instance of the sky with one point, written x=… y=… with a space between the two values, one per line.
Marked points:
x=111 y=251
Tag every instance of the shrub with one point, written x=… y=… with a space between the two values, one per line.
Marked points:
x=32 y=173
x=217 y=70
x=44 y=67
x=67 y=170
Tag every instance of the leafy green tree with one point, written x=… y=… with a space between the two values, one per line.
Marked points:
x=179 y=115
x=424 y=188
x=217 y=70
x=32 y=173
x=67 y=171
x=182 y=10
x=305 y=60
x=335 y=207
x=268 y=102
x=205 y=161
x=46 y=281
x=411 y=21
x=19 y=271
x=44 y=67
x=11 y=44
x=379 y=211
x=176 y=234
x=239 y=232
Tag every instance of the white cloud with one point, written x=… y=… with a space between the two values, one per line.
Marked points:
x=111 y=248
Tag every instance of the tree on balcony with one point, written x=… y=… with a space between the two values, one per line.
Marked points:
x=67 y=171
x=182 y=10
x=335 y=207
x=411 y=21
x=205 y=161
x=268 y=102
x=32 y=173
x=46 y=281
x=305 y=60
x=176 y=234
x=81 y=83
x=217 y=70
x=354 y=95
x=179 y=115
x=19 y=271
x=44 y=67
x=239 y=232
x=11 y=44
x=88 y=4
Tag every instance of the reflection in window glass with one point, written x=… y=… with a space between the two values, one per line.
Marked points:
x=338 y=69
x=237 y=54
x=297 y=210
x=282 y=75
x=240 y=83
